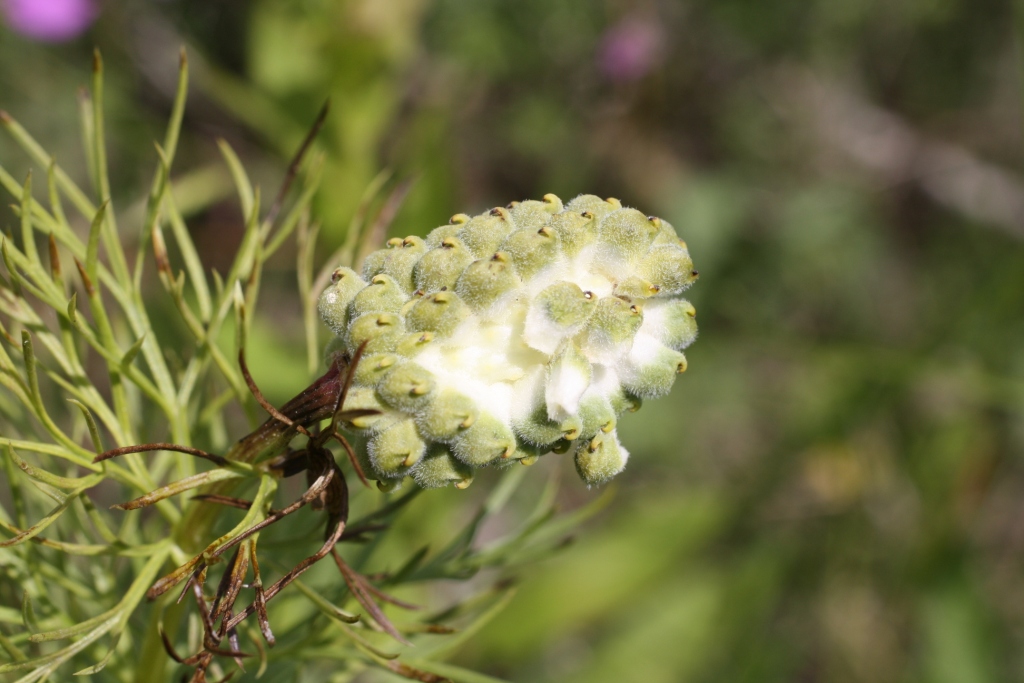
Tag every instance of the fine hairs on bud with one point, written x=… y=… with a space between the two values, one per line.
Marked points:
x=501 y=337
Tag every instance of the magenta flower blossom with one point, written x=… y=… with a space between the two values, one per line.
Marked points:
x=49 y=20
x=630 y=49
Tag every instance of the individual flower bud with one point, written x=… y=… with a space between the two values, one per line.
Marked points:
x=532 y=214
x=486 y=280
x=398 y=261
x=380 y=331
x=447 y=415
x=538 y=429
x=594 y=204
x=635 y=287
x=650 y=369
x=440 y=268
x=629 y=232
x=382 y=295
x=482 y=234
x=407 y=387
x=396 y=449
x=334 y=301
x=439 y=234
x=364 y=398
x=575 y=230
x=611 y=329
x=372 y=368
x=673 y=321
x=596 y=415
x=414 y=343
x=439 y=313
x=526 y=453
x=557 y=312
x=438 y=467
x=568 y=376
x=486 y=440
x=669 y=268
x=531 y=250
x=600 y=459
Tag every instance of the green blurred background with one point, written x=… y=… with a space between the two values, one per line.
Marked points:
x=834 y=491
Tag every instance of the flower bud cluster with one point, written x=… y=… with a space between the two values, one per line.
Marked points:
x=501 y=337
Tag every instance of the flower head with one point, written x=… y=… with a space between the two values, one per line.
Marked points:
x=515 y=333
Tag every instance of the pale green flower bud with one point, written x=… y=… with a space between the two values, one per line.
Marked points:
x=365 y=398
x=531 y=329
x=486 y=280
x=381 y=331
x=629 y=232
x=398 y=261
x=407 y=387
x=532 y=214
x=594 y=204
x=669 y=268
x=486 y=440
x=600 y=459
x=651 y=369
x=334 y=301
x=574 y=230
x=441 y=267
x=440 y=468
x=557 y=312
x=531 y=249
x=482 y=234
x=673 y=321
x=372 y=367
x=382 y=295
x=440 y=312
x=396 y=449
x=448 y=414
x=439 y=234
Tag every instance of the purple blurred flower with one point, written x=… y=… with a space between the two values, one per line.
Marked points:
x=630 y=49
x=49 y=20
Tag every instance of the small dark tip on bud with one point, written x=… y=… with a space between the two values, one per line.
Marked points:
x=588 y=294
x=694 y=273
x=588 y=215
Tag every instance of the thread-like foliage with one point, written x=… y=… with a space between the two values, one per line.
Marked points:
x=101 y=407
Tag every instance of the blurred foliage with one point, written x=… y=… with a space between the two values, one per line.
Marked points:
x=831 y=493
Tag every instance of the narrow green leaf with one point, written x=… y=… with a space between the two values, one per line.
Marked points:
x=325 y=606
x=43 y=475
x=11 y=270
x=94 y=433
x=27 y=236
x=73 y=308
x=28 y=613
x=53 y=515
x=132 y=352
x=180 y=486
x=93 y=245
x=242 y=184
